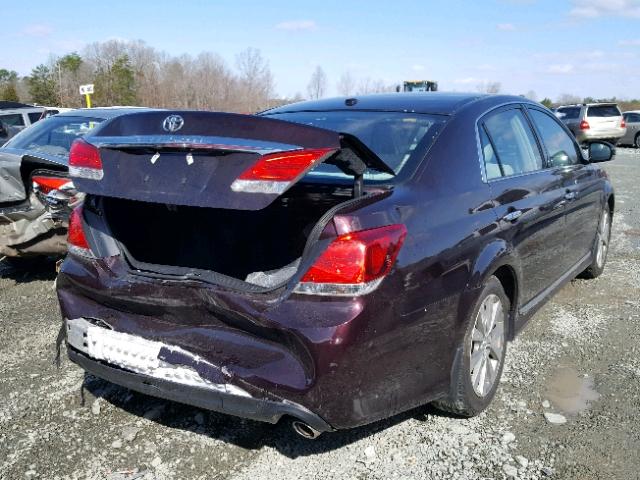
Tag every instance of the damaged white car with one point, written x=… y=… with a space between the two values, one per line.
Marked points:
x=36 y=195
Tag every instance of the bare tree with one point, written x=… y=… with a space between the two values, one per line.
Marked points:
x=318 y=83
x=531 y=95
x=568 y=98
x=490 y=87
x=368 y=85
x=256 y=81
x=346 y=85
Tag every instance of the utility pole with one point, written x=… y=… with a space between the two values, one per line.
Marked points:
x=60 y=84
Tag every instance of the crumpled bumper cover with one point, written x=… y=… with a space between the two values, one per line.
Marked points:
x=172 y=373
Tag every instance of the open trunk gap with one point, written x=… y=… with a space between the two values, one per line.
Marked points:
x=262 y=246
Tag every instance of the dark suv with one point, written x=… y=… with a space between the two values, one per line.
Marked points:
x=335 y=261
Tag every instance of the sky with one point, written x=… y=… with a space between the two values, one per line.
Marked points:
x=551 y=47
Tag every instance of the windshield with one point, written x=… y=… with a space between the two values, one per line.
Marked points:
x=397 y=138
x=54 y=135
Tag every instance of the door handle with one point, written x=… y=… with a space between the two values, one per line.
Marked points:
x=570 y=195
x=512 y=216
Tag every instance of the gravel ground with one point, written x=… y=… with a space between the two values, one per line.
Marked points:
x=577 y=362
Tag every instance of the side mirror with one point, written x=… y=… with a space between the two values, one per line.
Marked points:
x=601 y=152
x=560 y=159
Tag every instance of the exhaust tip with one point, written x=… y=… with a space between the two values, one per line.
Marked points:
x=305 y=430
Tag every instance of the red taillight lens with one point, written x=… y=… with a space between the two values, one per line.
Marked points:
x=75 y=236
x=584 y=125
x=84 y=161
x=623 y=124
x=47 y=184
x=354 y=263
x=275 y=172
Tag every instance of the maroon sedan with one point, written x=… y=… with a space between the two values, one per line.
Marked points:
x=333 y=262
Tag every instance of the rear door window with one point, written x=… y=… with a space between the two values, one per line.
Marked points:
x=632 y=117
x=12 y=119
x=560 y=148
x=568 y=113
x=600 y=111
x=513 y=143
x=35 y=116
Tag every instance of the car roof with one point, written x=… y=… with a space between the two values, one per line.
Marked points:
x=5 y=104
x=103 y=112
x=596 y=104
x=443 y=103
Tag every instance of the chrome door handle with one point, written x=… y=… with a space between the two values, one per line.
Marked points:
x=512 y=216
x=570 y=195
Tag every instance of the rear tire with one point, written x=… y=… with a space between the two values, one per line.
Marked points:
x=479 y=361
x=636 y=141
x=601 y=246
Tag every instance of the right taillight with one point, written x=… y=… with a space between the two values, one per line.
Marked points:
x=84 y=161
x=76 y=239
x=354 y=263
x=584 y=125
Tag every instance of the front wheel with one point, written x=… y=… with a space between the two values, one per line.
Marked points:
x=636 y=141
x=601 y=247
x=480 y=359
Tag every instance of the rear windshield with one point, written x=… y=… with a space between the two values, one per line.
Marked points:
x=568 y=113
x=54 y=135
x=603 y=111
x=399 y=139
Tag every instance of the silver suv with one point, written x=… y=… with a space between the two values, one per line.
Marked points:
x=593 y=121
x=632 y=119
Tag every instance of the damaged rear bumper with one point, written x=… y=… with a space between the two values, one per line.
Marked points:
x=190 y=380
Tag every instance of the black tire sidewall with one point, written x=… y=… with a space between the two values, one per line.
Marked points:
x=594 y=269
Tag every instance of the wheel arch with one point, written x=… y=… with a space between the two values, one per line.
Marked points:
x=497 y=259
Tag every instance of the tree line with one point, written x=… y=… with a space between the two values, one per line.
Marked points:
x=134 y=73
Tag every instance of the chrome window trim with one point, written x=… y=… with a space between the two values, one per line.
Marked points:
x=483 y=172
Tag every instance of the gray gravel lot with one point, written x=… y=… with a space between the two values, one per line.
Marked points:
x=579 y=359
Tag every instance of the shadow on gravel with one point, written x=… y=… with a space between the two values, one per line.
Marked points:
x=23 y=270
x=247 y=434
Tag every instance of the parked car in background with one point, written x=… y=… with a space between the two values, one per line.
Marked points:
x=632 y=136
x=20 y=115
x=334 y=261
x=36 y=195
x=593 y=121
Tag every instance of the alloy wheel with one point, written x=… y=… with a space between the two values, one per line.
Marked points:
x=487 y=345
x=603 y=239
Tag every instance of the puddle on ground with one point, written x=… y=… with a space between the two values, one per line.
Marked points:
x=571 y=391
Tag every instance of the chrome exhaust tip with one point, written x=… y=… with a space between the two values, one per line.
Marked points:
x=305 y=430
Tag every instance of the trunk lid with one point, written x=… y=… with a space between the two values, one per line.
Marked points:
x=215 y=160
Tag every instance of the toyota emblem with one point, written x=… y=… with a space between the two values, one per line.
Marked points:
x=173 y=123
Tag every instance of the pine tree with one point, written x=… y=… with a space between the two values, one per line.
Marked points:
x=42 y=86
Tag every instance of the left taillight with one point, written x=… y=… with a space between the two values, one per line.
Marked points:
x=76 y=239
x=354 y=263
x=47 y=184
x=84 y=161
x=274 y=173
